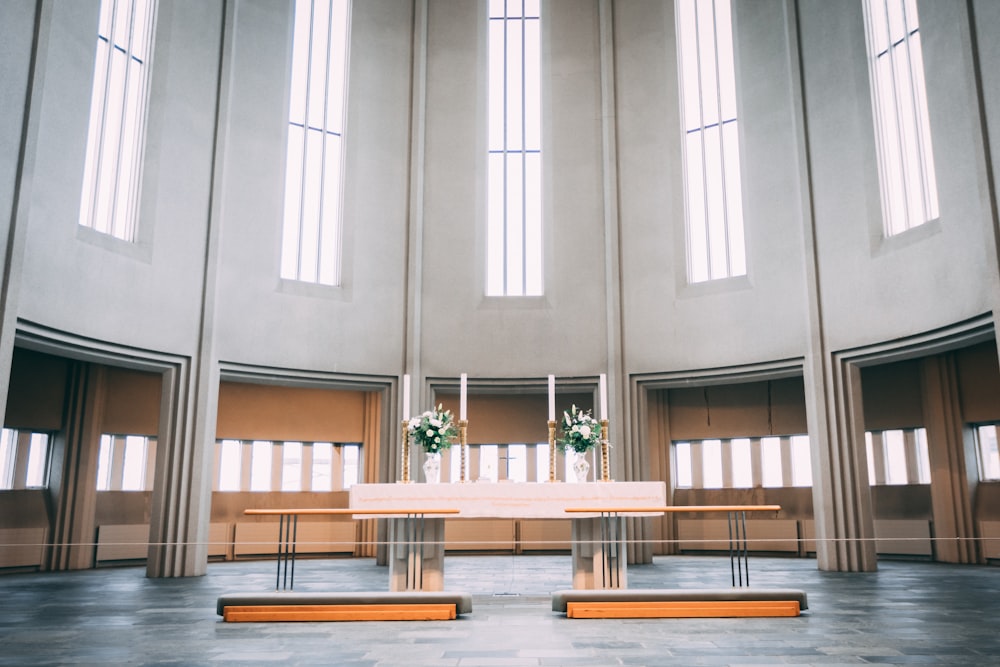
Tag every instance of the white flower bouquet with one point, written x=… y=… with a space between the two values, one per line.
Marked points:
x=580 y=431
x=433 y=430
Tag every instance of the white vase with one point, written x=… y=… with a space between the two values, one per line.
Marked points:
x=432 y=468
x=581 y=466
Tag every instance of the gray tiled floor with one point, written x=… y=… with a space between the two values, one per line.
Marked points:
x=906 y=613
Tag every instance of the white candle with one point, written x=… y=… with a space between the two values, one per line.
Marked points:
x=604 y=396
x=406 y=396
x=552 y=398
x=462 y=402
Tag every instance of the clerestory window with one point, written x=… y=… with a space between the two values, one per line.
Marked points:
x=109 y=202
x=311 y=229
x=902 y=130
x=713 y=185
x=514 y=162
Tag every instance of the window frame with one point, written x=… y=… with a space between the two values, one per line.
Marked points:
x=897 y=460
x=312 y=228
x=903 y=141
x=20 y=468
x=515 y=264
x=113 y=470
x=271 y=468
x=689 y=457
x=714 y=221
x=116 y=134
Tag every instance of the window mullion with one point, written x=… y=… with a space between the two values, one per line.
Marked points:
x=306 y=129
x=722 y=149
x=910 y=453
x=324 y=134
x=702 y=145
x=506 y=151
x=524 y=161
x=126 y=78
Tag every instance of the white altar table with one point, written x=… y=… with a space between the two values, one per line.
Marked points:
x=416 y=544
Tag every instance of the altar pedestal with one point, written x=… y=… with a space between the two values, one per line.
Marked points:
x=416 y=554
x=599 y=555
x=417 y=544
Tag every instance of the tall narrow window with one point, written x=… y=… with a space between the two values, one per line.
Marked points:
x=109 y=202
x=514 y=169
x=902 y=130
x=311 y=231
x=713 y=193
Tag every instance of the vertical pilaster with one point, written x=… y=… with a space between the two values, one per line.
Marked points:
x=72 y=482
x=951 y=450
x=181 y=506
x=841 y=496
x=24 y=29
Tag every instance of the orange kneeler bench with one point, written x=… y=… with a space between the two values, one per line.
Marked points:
x=377 y=606
x=679 y=603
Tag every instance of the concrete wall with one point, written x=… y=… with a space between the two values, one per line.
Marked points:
x=882 y=287
x=200 y=292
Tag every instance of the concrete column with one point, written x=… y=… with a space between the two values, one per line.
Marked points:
x=845 y=527
x=841 y=496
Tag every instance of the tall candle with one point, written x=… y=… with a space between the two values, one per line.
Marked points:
x=604 y=396
x=552 y=398
x=406 y=396
x=462 y=402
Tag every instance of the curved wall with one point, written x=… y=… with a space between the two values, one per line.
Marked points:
x=148 y=294
x=414 y=203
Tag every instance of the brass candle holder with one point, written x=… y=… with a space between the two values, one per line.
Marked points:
x=552 y=451
x=605 y=464
x=406 y=452
x=463 y=439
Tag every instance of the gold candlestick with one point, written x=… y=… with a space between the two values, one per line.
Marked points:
x=552 y=451
x=406 y=452
x=463 y=439
x=604 y=451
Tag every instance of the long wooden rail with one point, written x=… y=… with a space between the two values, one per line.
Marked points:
x=739 y=563
x=288 y=524
x=676 y=508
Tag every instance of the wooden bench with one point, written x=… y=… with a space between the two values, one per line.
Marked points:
x=679 y=603
x=369 y=606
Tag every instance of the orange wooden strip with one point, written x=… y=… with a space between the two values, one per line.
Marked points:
x=338 y=511
x=684 y=609
x=346 y=612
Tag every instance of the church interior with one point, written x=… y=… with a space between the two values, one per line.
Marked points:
x=761 y=240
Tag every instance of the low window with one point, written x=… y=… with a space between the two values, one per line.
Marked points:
x=125 y=463
x=774 y=461
x=265 y=465
x=989 y=457
x=898 y=456
x=24 y=459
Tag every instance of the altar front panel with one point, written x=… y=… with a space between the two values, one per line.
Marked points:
x=509 y=500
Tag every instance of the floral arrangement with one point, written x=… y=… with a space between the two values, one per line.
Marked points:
x=433 y=430
x=580 y=431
